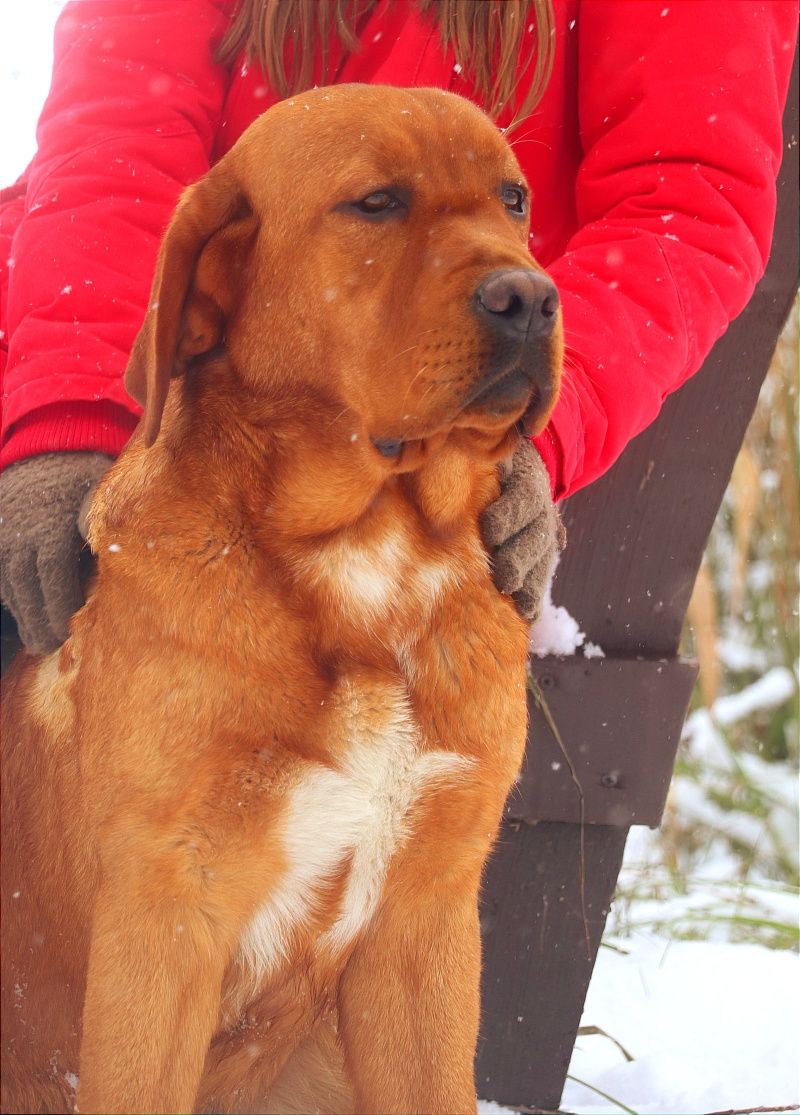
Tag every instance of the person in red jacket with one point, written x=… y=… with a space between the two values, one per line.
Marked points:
x=651 y=154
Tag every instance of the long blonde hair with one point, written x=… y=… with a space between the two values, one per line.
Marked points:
x=487 y=37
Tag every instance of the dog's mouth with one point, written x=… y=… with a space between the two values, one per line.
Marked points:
x=498 y=402
x=493 y=411
x=513 y=392
x=503 y=394
x=499 y=398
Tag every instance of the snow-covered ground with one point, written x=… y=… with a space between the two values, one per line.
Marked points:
x=707 y=1027
x=681 y=1025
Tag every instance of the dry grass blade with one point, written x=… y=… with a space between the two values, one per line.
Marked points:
x=533 y=686
x=745 y=498
x=590 y=1031
x=702 y=617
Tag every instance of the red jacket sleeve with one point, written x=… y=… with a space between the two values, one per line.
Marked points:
x=130 y=120
x=680 y=123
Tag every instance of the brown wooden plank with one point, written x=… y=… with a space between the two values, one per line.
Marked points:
x=536 y=960
x=619 y=721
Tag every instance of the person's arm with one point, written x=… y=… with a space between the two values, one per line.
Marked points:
x=680 y=118
x=129 y=121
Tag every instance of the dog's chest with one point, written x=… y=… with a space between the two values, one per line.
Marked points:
x=341 y=827
x=369 y=581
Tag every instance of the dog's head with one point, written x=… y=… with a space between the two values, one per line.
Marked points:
x=369 y=246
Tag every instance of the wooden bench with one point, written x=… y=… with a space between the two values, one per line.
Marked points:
x=635 y=542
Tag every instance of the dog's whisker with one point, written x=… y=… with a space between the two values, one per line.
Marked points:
x=397 y=355
x=411 y=348
x=413 y=381
x=336 y=417
x=434 y=384
x=538 y=142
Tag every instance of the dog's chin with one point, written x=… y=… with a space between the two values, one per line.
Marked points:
x=506 y=396
x=510 y=400
x=509 y=405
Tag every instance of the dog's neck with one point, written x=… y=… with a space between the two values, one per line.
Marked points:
x=295 y=489
x=309 y=466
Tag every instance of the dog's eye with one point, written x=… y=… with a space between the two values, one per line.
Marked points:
x=378 y=204
x=513 y=197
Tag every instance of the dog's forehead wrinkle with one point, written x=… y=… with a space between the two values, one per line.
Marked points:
x=398 y=126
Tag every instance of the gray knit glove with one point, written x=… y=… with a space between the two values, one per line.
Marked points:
x=40 y=500
x=522 y=531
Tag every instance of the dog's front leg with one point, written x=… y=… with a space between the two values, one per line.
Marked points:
x=152 y=1001
x=409 y=1005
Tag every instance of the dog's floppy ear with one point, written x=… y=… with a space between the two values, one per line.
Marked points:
x=197 y=276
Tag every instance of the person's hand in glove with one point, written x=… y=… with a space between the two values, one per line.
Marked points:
x=40 y=544
x=522 y=531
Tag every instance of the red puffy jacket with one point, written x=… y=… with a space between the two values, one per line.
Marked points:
x=651 y=159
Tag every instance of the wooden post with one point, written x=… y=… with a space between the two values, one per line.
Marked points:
x=635 y=541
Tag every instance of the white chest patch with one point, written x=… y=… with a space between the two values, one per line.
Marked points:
x=367 y=580
x=361 y=812
x=364 y=579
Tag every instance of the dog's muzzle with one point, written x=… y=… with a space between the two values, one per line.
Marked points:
x=518 y=310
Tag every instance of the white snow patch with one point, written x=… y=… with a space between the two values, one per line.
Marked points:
x=736 y=655
x=557 y=632
x=678 y=1007
x=770 y=691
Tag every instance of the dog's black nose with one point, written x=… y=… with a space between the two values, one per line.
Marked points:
x=518 y=304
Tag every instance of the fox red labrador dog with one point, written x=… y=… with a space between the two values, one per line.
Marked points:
x=248 y=802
